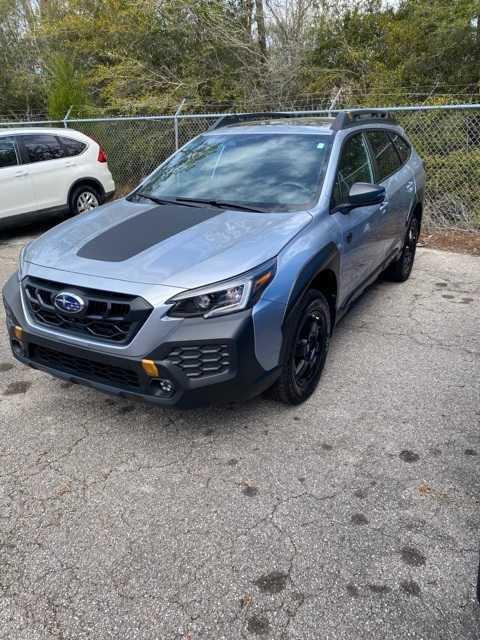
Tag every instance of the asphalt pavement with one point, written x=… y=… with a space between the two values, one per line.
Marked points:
x=354 y=516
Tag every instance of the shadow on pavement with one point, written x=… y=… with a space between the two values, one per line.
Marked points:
x=28 y=230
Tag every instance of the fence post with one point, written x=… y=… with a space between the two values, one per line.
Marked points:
x=65 y=118
x=175 y=121
x=334 y=102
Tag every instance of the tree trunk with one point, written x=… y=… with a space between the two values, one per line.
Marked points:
x=247 y=7
x=260 y=17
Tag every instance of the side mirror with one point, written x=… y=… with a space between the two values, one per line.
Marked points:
x=363 y=194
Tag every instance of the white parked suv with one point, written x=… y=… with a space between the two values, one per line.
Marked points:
x=47 y=171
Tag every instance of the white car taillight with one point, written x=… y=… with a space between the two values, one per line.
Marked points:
x=102 y=155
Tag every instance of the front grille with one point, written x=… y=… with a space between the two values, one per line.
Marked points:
x=201 y=360
x=107 y=317
x=88 y=369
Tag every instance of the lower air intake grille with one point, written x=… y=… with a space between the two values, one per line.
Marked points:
x=88 y=369
x=201 y=360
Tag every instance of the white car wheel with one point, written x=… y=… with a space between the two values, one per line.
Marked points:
x=85 y=201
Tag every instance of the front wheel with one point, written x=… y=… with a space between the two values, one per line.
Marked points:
x=400 y=269
x=84 y=199
x=305 y=349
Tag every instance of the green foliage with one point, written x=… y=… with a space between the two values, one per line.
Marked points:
x=21 y=89
x=65 y=88
x=454 y=188
x=143 y=56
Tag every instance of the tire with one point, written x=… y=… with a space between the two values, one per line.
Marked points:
x=305 y=350
x=400 y=269
x=84 y=198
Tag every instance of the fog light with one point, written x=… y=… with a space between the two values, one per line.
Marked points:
x=18 y=331
x=163 y=387
x=166 y=386
x=18 y=348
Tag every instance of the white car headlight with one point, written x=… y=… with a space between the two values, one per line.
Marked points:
x=223 y=297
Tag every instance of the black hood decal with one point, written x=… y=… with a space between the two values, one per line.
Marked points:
x=136 y=234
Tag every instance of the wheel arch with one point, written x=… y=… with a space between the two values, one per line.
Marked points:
x=320 y=272
x=417 y=212
x=86 y=182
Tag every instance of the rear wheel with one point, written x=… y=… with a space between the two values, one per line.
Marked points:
x=84 y=198
x=305 y=350
x=400 y=270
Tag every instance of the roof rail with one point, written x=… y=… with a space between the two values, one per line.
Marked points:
x=343 y=120
x=234 y=118
x=346 y=119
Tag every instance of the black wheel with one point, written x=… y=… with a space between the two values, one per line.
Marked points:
x=84 y=198
x=400 y=270
x=305 y=349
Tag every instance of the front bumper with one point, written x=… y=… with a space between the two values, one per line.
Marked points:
x=229 y=339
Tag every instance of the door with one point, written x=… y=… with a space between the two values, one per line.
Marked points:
x=408 y=187
x=50 y=170
x=359 y=227
x=397 y=178
x=16 y=195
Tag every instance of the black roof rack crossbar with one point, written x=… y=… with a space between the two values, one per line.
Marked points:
x=234 y=118
x=347 y=119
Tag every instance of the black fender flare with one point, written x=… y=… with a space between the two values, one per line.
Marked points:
x=415 y=204
x=327 y=258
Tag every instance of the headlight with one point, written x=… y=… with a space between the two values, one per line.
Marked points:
x=223 y=297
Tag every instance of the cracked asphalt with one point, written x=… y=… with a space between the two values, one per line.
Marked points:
x=354 y=516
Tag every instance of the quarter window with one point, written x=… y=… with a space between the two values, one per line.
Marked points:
x=354 y=166
x=72 y=147
x=402 y=147
x=386 y=157
x=40 y=147
x=8 y=153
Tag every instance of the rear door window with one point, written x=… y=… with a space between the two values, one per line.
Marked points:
x=387 y=160
x=39 y=147
x=354 y=166
x=402 y=147
x=72 y=147
x=8 y=152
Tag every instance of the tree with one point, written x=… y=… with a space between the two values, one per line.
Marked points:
x=262 y=34
x=65 y=88
x=21 y=80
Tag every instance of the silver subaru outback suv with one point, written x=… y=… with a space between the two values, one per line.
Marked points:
x=223 y=274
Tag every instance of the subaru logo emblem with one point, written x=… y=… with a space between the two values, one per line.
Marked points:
x=69 y=302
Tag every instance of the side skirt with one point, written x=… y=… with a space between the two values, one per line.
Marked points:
x=365 y=284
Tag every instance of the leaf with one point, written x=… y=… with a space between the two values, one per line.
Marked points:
x=424 y=489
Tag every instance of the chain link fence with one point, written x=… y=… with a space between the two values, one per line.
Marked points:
x=446 y=137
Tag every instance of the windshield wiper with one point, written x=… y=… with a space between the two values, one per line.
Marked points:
x=222 y=204
x=195 y=202
x=147 y=196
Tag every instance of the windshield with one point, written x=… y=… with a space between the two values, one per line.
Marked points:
x=281 y=172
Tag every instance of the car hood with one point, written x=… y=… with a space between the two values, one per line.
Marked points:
x=172 y=245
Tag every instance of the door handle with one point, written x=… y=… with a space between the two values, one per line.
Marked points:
x=70 y=164
x=21 y=174
x=349 y=236
x=383 y=207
